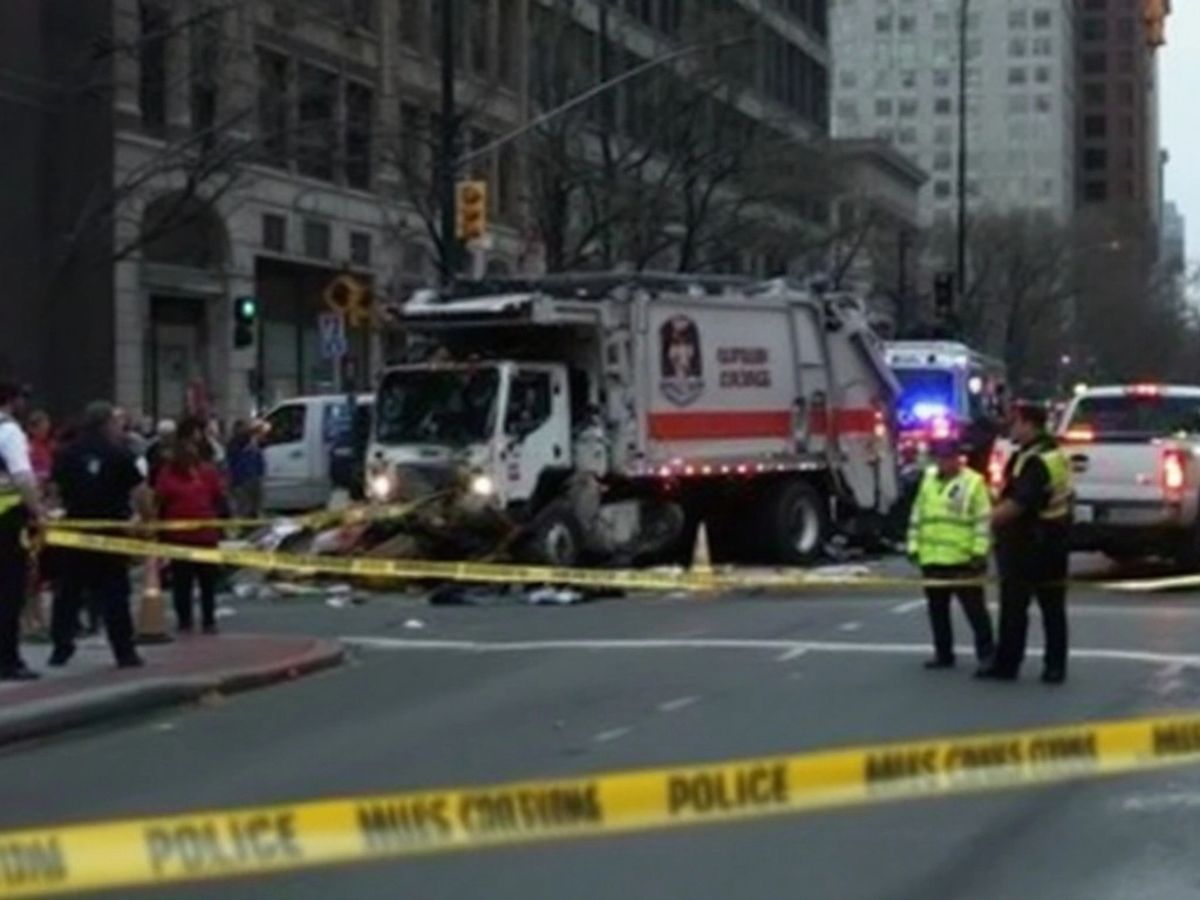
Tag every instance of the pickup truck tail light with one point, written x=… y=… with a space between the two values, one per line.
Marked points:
x=1173 y=472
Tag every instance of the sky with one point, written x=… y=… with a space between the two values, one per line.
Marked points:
x=1179 y=76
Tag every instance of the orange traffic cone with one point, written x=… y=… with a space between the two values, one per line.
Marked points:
x=152 y=617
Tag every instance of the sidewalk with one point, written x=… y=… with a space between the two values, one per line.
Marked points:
x=90 y=689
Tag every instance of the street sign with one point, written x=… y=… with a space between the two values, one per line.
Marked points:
x=333 y=335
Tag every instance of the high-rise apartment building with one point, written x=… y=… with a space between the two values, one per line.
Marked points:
x=1120 y=159
x=896 y=65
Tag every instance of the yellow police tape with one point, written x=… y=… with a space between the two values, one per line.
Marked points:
x=320 y=519
x=218 y=844
x=697 y=580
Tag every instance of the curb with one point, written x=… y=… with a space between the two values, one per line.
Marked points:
x=47 y=717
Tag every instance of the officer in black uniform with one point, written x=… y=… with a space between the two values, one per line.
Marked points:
x=97 y=477
x=20 y=510
x=1032 y=524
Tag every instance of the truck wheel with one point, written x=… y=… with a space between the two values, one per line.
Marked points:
x=554 y=538
x=799 y=523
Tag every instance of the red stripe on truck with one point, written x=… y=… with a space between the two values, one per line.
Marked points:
x=846 y=420
x=718 y=425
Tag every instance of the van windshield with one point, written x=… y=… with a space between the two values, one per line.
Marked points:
x=438 y=406
x=925 y=394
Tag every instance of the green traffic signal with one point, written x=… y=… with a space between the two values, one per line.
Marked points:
x=247 y=308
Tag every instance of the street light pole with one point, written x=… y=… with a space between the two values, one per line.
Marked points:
x=448 y=149
x=961 y=235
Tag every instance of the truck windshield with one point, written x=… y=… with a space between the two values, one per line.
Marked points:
x=1136 y=416
x=439 y=406
x=925 y=394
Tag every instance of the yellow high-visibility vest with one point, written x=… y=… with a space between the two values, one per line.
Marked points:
x=951 y=519
x=1062 y=489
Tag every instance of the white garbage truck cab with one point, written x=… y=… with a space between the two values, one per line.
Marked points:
x=607 y=414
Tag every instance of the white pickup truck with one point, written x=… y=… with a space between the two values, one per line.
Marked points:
x=1135 y=453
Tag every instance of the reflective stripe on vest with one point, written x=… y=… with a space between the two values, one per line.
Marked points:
x=1058 y=507
x=951 y=520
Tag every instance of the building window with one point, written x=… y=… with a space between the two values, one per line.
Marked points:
x=316 y=137
x=360 y=105
x=361 y=14
x=506 y=182
x=883 y=24
x=1041 y=74
x=1095 y=191
x=941 y=78
x=1095 y=126
x=943 y=106
x=943 y=135
x=409 y=20
x=360 y=248
x=152 y=53
x=1124 y=61
x=274 y=233
x=1042 y=18
x=477 y=36
x=1095 y=63
x=883 y=107
x=509 y=44
x=907 y=24
x=1094 y=28
x=942 y=161
x=1042 y=46
x=1017 y=47
x=1018 y=18
x=908 y=109
x=847 y=112
x=317 y=239
x=1095 y=158
x=941 y=21
x=1095 y=94
x=1125 y=93
x=412 y=133
x=1125 y=28
x=1016 y=75
x=206 y=40
x=1018 y=104
x=1043 y=103
x=273 y=108
x=941 y=189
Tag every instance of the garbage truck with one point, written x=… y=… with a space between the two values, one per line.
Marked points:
x=603 y=417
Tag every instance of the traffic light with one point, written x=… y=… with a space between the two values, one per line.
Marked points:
x=245 y=321
x=472 y=210
x=943 y=295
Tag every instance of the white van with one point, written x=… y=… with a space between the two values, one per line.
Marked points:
x=301 y=432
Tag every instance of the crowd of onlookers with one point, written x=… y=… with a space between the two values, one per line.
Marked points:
x=108 y=465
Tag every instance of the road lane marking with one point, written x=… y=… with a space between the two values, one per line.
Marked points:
x=911 y=606
x=1187 y=660
x=791 y=653
x=850 y=626
x=677 y=704
x=611 y=735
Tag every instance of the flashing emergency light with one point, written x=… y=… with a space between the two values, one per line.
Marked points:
x=975 y=384
x=940 y=429
x=929 y=410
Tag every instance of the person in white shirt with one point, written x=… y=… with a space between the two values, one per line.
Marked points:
x=20 y=508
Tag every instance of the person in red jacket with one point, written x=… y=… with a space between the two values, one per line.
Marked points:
x=188 y=488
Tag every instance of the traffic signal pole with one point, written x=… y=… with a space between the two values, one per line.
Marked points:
x=447 y=157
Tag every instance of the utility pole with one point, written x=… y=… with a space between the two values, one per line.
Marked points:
x=448 y=148
x=961 y=236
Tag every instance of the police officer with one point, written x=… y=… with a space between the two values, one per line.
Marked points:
x=20 y=508
x=949 y=537
x=1032 y=523
x=97 y=477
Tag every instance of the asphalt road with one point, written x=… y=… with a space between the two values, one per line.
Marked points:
x=643 y=681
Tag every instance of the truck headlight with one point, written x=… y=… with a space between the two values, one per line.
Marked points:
x=482 y=485
x=381 y=486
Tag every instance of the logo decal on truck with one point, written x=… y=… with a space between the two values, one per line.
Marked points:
x=681 y=363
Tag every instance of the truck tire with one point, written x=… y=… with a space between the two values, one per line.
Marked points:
x=553 y=538
x=798 y=519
